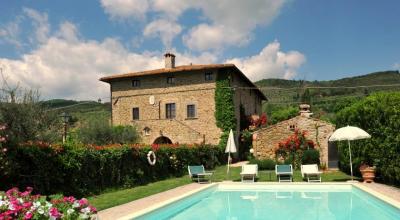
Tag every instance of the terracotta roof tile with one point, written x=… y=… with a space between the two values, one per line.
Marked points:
x=165 y=70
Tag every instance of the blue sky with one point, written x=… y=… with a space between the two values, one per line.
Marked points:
x=63 y=47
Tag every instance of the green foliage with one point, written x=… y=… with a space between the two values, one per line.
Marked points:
x=224 y=106
x=81 y=171
x=266 y=164
x=327 y=101
x=379 y=115
x=284 y=113
x=29 y=121
x=310 y=156
x=97 y=130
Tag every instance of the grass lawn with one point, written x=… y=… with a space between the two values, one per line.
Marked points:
x=118 y=197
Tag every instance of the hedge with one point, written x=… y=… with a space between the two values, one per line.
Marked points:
x=379 y=115
x=87 y=170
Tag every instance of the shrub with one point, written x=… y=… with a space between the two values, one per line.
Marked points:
x=97 y=130
x=266 y=164
x=291 y=149
x=379 y=115
x=79 y=170
x=310 y=156
x=22 y=205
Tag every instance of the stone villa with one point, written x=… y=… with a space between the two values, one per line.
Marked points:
x=176 y=104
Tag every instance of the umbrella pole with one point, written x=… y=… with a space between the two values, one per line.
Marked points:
x=351 y=163
x=229 y=157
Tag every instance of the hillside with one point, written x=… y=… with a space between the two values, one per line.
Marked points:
x=325 y=97
x=79 y=110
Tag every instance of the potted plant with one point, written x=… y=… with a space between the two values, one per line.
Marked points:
x=367 y=172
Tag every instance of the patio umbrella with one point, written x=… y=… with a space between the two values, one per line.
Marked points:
x=230 y=147
x=349 y=133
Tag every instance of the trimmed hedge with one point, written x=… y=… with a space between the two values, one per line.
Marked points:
x=379 y=115
x=86 y=170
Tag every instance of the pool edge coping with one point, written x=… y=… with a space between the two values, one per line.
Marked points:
x=165 y=203
x=360 y=186
x=377 y=194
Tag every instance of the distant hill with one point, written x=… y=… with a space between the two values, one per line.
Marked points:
x=79 y=110
x=325 y=97
x=384 y=78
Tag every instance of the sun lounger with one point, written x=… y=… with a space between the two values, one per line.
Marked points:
x=311 y=172
x=198 y=174
x=284 y=173
x=249 y=172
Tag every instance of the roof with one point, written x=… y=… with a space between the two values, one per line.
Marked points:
x=177 y=69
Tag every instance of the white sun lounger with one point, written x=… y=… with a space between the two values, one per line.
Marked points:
x=311 y=172
x=249 y=172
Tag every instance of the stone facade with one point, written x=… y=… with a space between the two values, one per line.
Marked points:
x=266 y=140
x=190 y=87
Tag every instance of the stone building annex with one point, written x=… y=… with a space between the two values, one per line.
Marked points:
x=176 y=104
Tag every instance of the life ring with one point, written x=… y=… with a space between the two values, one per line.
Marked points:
x=150 y=155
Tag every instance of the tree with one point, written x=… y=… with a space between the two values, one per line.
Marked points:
x=24 y=117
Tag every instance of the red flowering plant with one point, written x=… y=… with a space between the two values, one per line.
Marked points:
x=23 y=205
x=292 y=148
x=257 y=121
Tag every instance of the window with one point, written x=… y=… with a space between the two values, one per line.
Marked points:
x=170 y=80
x=146 y=131
x=135 y=83
x=208 y=76
x=191 y=111
x=135 y=113
x=170 y=110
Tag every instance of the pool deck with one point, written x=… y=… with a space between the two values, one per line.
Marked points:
x=141 y=205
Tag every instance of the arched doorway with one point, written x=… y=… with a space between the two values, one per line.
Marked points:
x=162 y=140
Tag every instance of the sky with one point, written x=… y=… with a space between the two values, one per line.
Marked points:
x=62 y=48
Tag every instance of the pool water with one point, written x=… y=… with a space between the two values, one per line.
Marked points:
x=278 y=203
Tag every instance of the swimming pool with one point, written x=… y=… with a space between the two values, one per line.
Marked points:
x=277 y=201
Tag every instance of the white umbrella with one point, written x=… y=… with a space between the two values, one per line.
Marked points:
x=349 y=133
x=230 y=147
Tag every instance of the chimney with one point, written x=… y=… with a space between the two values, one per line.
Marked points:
x=305 y=110
x=169 y=60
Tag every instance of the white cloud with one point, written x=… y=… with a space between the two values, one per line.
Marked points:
x=164 y=29
x=205 y=37
x=68 y=32
x=9 y=33
x=271 y=62
x=40 y=23
x=224 y=23
x=66 y=66
x=125 y=9
x=232 y=22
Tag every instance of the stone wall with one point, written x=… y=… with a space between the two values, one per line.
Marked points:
x=266 y=140
x=189 y=88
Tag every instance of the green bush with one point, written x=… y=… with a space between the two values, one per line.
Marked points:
x=379 y=115
x=78 y=170
x=97 y=130
x=266 y=164
x=310 y=156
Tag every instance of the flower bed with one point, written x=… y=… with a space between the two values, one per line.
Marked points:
x=23 y=205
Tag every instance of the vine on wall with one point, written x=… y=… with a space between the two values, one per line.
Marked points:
x=224 y=106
